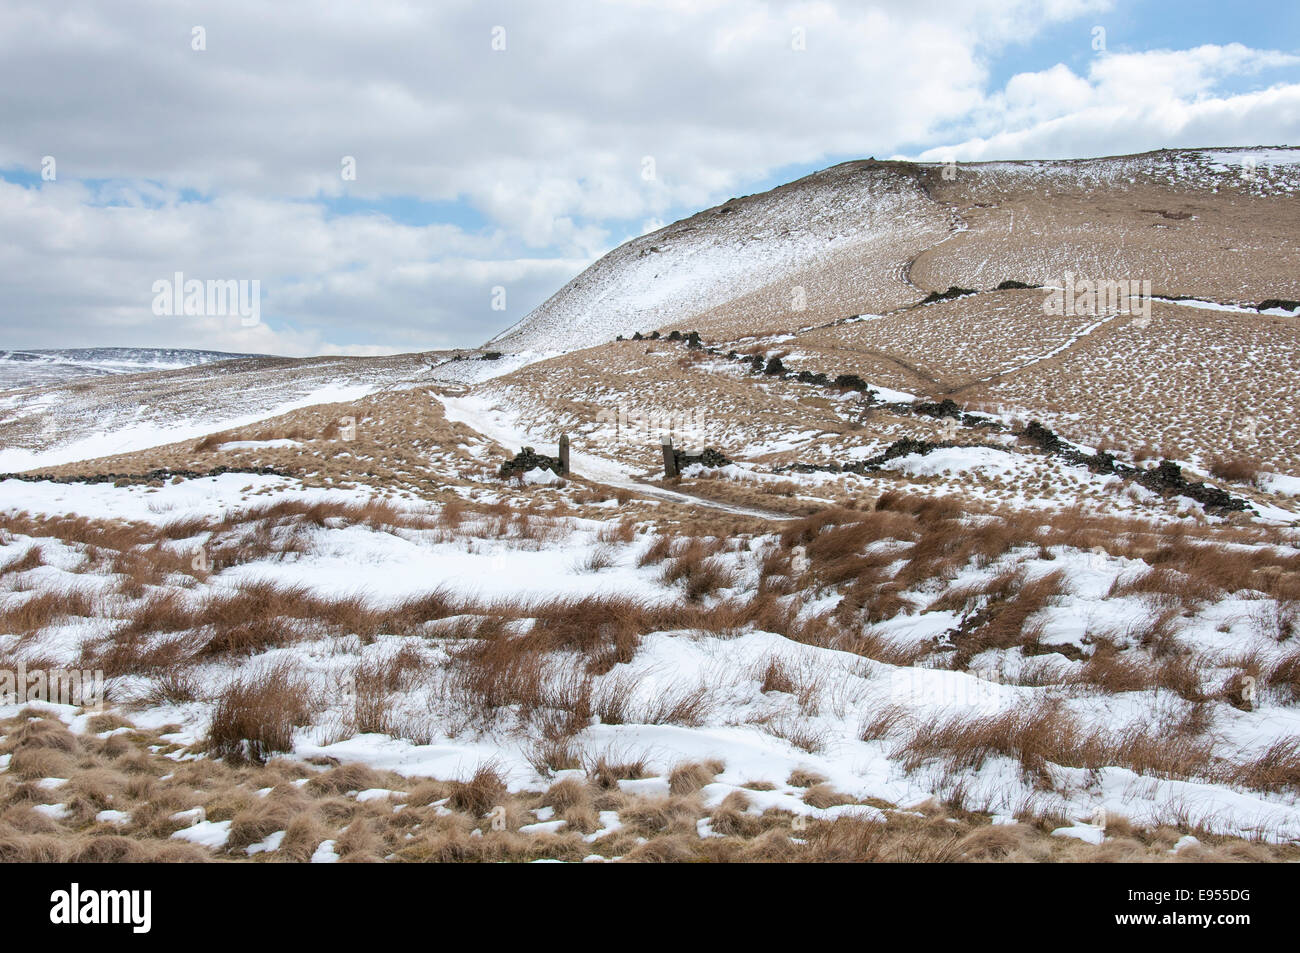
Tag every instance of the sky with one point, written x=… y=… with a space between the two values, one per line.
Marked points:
x=401 y=176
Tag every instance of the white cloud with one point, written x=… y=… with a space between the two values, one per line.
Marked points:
x=545 y=140
x=552 y=128
x=1133 y=102
x=79 y=272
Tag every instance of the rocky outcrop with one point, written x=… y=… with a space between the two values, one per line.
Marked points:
x=952 y=292
x=1166 y=479
x=899 y=448
x=708 y=457
x=944 y=408
x=529 y=459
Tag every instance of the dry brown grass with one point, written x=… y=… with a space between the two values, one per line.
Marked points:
x=25 y=614
x=1276 y=769
x=500 y=667
x=882 y=723
x=657 y=551
x=773 y=676
x=697 y=570
x=440 y=818
x=31 y=558
x=1003 y=621
x=1036 y=735
x=480 y=794
x=689 y=777
x=1235 y=469
x=255 y=714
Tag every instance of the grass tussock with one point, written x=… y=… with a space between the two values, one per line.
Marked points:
x=255 y=715
x=282 y=811
x=26 y=613
x=1044 y=734
x=1235 y=469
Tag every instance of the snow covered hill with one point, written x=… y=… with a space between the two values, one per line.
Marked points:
x=876 y=213
x=63 y=421
x=844 y=241
x=30 y=367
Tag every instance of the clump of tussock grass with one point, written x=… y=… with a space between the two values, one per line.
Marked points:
x=1040 y=734
x=1276 y=769
x=25 y=615
x=606 y=769
x=688 y=777
x=700 y=573
x=31 y=558
x=773 y=676
x=480 y=794
x=824 y=795
x=601 y=556
x=255 y=714
x=1235 y=469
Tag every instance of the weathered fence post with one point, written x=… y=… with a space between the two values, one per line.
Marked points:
x=670 y=458
x=564 y=454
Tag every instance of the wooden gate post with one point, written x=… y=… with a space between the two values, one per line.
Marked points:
x=670 y=459
x=564 y=454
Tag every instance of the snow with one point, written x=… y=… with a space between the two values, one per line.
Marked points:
x=609 y=824
x=744 y=728
x=259 y=444
x=388 y=568
x=160 y=505
x=28 y=368
x=1280 y=484
x=1068 y=343
x=146 y=434
x=1208 y=169
x=540 y=476
x=956 y=460
x=1084 y=832
x=193 y=815
x=268 y=844
x=687 y=268
x=496 y=422
x=210 y=834
x=325 y=854
x=1233 y=308
x=1233 y=159
x=543 y=827
x=733 y=730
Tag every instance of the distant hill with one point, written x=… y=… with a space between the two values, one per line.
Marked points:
x=28 y=367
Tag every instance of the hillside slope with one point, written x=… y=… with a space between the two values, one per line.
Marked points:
x=870 y=237
x=844 y=233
